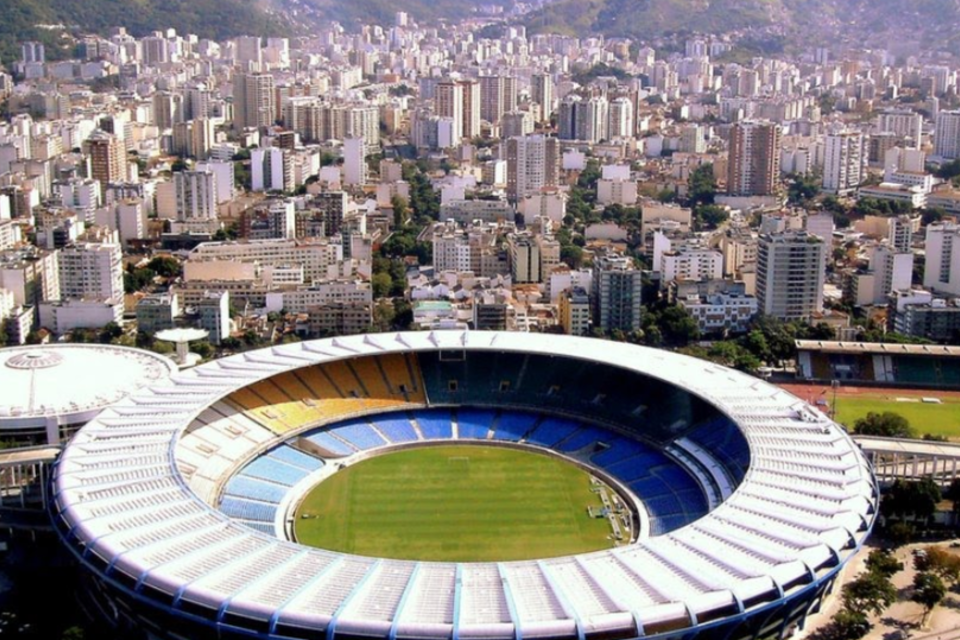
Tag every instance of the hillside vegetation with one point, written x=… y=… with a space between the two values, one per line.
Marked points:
x=205 y=18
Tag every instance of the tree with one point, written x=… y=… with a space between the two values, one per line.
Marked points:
x=953 y=494
x=572 y=256
x=711 y=216
x=900 y=533
x=928 y=591
x=848 y=625
x=887 y=424
x=939 y=562
x=702 y=185
x=917 y=498
x=165 y=266
x=110 y=332
x=381 y=283
x=678 y=326
x=400 y=210
x=883 y=562
x=869 y=593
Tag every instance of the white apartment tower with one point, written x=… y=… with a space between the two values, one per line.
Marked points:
x=541 y=90
x=790 y=274
x=253 y=101
x=91 y=271
x=533 y=162
x=196 y=195
x=946 y=138
x=844 y=157
x=942 y=270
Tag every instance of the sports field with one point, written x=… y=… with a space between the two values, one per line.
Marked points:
x=455 y=503
x=941 y=419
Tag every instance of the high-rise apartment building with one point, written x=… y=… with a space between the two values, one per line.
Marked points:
x=196 y=195
x=253 y=100
x=586 y=120
x=107 y=157
x=844 y=157
x=942 y=269
x=617 y=288
x=904 y=123
x=542 y=92
x=498 y=95
x=791 y=268
x=533 y=162
x=753 y=166
x=449 y=104
x=91 y=271
x=946 y=137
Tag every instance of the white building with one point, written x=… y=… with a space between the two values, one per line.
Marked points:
x=91 y=271
x=270 y=170
x=196 y=195
x=80 y=195
x=63 y=316
x=791 y=268
x=317 y=258
x=214 y=314
x=844 y=159
x=690 y=263
x=721 y=312
x=354 y=162
x=946 y=138
x=942 y=270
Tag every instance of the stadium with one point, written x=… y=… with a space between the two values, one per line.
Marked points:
x=727 y=506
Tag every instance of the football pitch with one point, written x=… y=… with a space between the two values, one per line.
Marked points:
x=937 y=419
x=462 y=503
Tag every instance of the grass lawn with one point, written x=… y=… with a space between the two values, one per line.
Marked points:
x=937 y=419
x=455 y=503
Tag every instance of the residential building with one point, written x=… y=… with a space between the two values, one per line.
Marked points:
x=941 y=272
x=790 y=275
x=574 y=311
x=107 y=157
x=63 y=316
x=753 y=165
x=157 y=312
x=533 y=162
x=340 y=318
x=253 y=101
x=617 y=293
x=91 y=271
x=844 y=160
x=946 y=137
x=213 y=312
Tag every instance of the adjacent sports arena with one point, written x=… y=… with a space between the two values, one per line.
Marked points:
x=726 y=507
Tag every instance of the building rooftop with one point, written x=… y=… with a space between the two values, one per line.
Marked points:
x=878 y=347
x=72 y=379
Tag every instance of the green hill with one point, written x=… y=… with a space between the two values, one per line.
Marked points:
x=206 y=18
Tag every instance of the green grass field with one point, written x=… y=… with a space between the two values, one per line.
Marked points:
x=936 y=419
x=455 y=503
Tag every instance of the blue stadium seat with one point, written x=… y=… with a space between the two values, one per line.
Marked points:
x=727 y=443
x=291 y=456
x=396 y=428
x=585 y=437
x=552 y=430
x=474 y=423
x=513 y=425
x=266 y=468
x=620 y=449
x=248 y=509
x=359 y=433
x=435 y=424
x=253 y=489
x=331 y=444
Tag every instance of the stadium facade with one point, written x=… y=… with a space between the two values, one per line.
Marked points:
x=179 y=499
